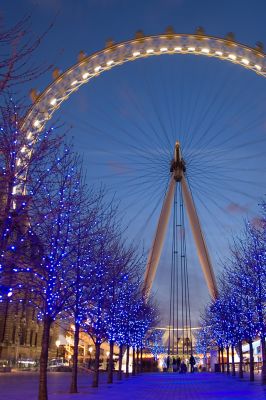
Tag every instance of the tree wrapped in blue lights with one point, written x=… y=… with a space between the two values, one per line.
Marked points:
x=143 y=318
x=52 y=214
x=255 y=265
x=131 y=297
x=86 y=230
x=154 y=343
x=115 y=308
x=20 y=168
x=69 y=257
x=204 y=338
x=239 y=313
x=250 y=251
x=97 y=305
x=126 y=264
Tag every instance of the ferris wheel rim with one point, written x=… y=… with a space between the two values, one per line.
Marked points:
x=234 y=52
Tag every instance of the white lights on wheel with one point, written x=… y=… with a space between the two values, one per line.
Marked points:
x=245 y=61
x=36 y=123
x=60 y=89
x=23 y=149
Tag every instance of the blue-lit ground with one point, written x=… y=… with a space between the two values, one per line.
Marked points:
x=159 y=386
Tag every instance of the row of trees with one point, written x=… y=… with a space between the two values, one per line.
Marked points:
x=63 y=248
x=239 y=313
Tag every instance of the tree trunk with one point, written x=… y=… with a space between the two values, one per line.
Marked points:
x=227 y=360
x=137 y=363
x=233 y=362
x=219 y=358
x=263 y=357
x=5 y=321
x=120 y=374
x=95 y=382
x=251 y=364
x=141 y=359
x=74 y=380
x=127 y=362
x=222 y=351
x=43 y=395
x=111 y=363
x=133 y=362
x=240 y=360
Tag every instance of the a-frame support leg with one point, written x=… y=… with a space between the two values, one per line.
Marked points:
x=178 y=175
x=201 y=246
x=157 y=245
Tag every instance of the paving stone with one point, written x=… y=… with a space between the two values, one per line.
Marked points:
x=148 y=386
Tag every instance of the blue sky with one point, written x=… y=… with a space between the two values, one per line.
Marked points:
x=182 y=95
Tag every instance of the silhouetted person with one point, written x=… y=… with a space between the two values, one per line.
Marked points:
x=192 y=362
x=168 y=362
x=174 y=365
x=178 y=363
x=164 y=366
x=183 y=367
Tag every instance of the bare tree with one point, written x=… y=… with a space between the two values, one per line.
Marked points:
x=17 y=45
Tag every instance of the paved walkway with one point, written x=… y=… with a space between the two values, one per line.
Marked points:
x=153 y=386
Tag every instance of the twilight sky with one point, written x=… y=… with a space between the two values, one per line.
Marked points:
x=216 y=110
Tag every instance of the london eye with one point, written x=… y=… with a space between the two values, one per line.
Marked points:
x=181 y=134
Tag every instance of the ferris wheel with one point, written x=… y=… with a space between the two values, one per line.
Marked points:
x=179 y=161
x=142 y=46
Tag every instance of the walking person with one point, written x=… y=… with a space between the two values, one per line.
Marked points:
x=178 y=363
x=183 y=367
x=192 y=362
x=174 y=365
x=168 y=362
